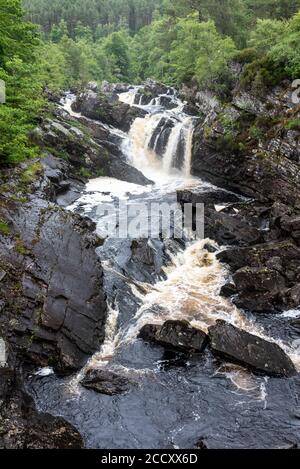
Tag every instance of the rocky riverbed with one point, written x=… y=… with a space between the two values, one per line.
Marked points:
x=175 y=329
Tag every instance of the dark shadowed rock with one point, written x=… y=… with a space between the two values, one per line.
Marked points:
x=178 y=335
x=149 y=332
x=207 y=196
x=98 y=107
x=266 y=276
x=182 y=336
x=160 y=136
x=23 y=427
x=249 y=350
x=105 y=382
x=201 y=444
x=51 y=316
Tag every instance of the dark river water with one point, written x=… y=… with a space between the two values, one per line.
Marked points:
x=172 y=403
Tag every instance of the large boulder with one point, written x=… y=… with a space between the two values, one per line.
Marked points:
x=89 y=150
x=249 y=350
x=208 y=196
x=266 y=276
x=98 y=107
x=105 y=382
x=177 y=335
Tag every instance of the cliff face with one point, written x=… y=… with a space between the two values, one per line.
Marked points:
x=251 y=146
x=53 y=307
x=52 y=301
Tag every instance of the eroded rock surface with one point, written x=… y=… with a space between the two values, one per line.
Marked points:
x=249 y=350
x=105 y=382
x=178 y=335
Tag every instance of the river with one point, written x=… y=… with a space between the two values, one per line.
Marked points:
x=172 y=403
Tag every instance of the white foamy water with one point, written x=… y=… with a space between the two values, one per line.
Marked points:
x=195 y=276
x=137 y=146
x=67 y=102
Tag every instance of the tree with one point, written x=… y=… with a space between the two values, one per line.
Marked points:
x=18 y=43
x=116 y=47
x=58 y=31
x=273 y=9
x=267 y=33
x=200 y=51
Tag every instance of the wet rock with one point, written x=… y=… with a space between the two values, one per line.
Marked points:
x=50 y=315
x=182 y=336
x=156 y=88
x=115 y=87
x=266 y=276
x=201 y=444
x=98 y=107
x=228 y=290
x=296 y=324
x=145 y=260
x=207 y=196
x=173 y=359
x=178 y=335
x=231 y=229
x=160 y=137
x=259 y=288
x=228 y=220
x=249 y=350
x=149 y=332
x=125 y=172
x=23 y=427
x=98 y=157
x=105 y=382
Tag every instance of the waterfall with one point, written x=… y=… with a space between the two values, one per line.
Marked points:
x=162 y=141
x=173 y=143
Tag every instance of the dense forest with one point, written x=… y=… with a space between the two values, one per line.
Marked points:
x=60 y=44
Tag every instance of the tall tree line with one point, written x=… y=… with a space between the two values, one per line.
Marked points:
x=132 y=14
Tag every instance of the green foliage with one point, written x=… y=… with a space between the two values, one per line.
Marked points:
x=4 y=228
x=116 y=47
x=267 y=33
x=88 y=174
x=255 y=132
x=18 y=45
x=128 y=14
x=261 y=74
x=29 y=174
x=178 y=41
x=293 y=124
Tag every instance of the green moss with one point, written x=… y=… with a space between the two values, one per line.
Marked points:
x=30 y=173
x=89 y=174
x=18 y=198
x=4 y=228
x=256 y=132
x=19 y=246
x=293 y=124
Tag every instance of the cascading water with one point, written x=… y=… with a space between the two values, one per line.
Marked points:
x=176 y=159
x=223 y=404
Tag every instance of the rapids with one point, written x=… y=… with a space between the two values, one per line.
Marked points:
x=169 y=406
